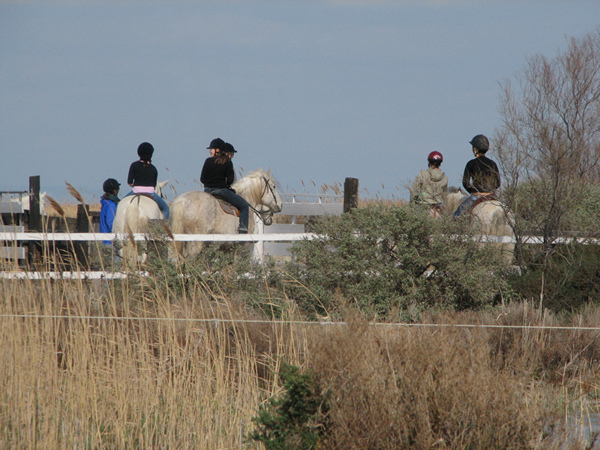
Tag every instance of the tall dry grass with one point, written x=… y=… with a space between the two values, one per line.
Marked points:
x=130 y=364
x=79 y=381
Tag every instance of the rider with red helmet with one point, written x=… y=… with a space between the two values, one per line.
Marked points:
x=431 y=185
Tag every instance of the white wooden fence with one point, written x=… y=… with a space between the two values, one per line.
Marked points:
x=295 y=205
x=274 y=240
x=13 y=206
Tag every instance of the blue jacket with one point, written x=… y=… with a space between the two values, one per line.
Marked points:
x=107 y=215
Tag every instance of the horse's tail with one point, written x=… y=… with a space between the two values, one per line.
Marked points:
x=132 y=217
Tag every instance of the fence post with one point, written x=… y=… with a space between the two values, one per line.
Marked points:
x=259 y=248
x=35 y=217
x=350 y=194
x=82 y=226
x=34 y=222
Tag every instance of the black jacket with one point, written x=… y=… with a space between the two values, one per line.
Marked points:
x=141 y=174
x=481 y=175
x=217 y=176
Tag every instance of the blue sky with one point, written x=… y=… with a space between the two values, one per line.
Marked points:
x=314 y=90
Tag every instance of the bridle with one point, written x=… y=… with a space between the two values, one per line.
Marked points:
x=269 y=212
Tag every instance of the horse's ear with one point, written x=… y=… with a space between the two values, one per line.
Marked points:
x=162 y=184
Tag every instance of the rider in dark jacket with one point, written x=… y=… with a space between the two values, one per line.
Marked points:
x=143 y=176
x=217 y=177
x=109 y=202
x=481 y=176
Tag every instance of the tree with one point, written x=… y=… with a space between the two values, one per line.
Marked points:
x=549 y=143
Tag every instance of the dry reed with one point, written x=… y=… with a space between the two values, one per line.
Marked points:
x=129 y=364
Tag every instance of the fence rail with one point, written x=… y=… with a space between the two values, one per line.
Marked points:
x=268 y=237
x=274 y=237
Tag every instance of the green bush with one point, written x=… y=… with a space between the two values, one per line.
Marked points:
x=566 y=278
x=384 y=259
x=296 y=419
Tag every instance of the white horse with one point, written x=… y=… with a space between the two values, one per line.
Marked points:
x=491 y=216
x=198 y=212
x=132 y=216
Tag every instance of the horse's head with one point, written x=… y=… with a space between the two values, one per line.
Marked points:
x=454 y=198
x=270 y=198
x=266 y=214
x=159 y=187
x=258 y=188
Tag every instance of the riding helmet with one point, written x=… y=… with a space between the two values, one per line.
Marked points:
x=481 y=143
x=228 y=148
x=110 y=185
x=435 y=157
x=216 y=143
x=145 y=151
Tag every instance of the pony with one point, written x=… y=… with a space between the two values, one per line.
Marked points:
x=493 y=218
x=132 y=216
x=198 y=212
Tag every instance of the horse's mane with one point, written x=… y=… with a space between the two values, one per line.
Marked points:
x=244 y=183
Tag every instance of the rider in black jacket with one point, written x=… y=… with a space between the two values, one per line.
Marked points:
x=481 y=176
x=217 y=177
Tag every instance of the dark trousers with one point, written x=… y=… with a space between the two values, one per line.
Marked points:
x=465 y=205
x=231 y=197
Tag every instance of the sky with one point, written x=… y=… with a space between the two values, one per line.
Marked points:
x=316 y=91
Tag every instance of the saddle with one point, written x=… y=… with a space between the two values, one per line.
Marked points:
x=484 y=197
x=143 y=194
x=436 y=210
x=227 y=208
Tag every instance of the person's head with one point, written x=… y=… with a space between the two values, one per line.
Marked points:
x=435 y=159
x=480 y=144
x=145 y=151
x=229 y=150
x=215 y=145
x=111 y=186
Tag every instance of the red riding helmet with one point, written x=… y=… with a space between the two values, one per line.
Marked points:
x=435 y=157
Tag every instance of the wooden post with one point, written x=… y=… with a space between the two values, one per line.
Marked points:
x=350 y=194
x=35 y=216
x=82 y=226
x=34 y=222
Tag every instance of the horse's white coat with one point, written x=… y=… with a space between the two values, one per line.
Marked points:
x=198 y=212
x=492 y=216
x=132 y=216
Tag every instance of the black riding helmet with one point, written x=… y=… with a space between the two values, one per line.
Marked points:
x=145 y=151
x=228 y=148
x=481 y=143
x=216 y=143
x=110 y=185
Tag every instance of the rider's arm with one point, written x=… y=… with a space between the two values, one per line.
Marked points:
x=230 y=174
x=205 y=171
x=131 y=175
x=416 y=188
x=497 y=178
x=467 y=180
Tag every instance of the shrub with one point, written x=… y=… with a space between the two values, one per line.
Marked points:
x=297 y=417
x=385 y=258
x=566 y=278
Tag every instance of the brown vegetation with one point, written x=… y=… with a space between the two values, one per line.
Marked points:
x=127 y=364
